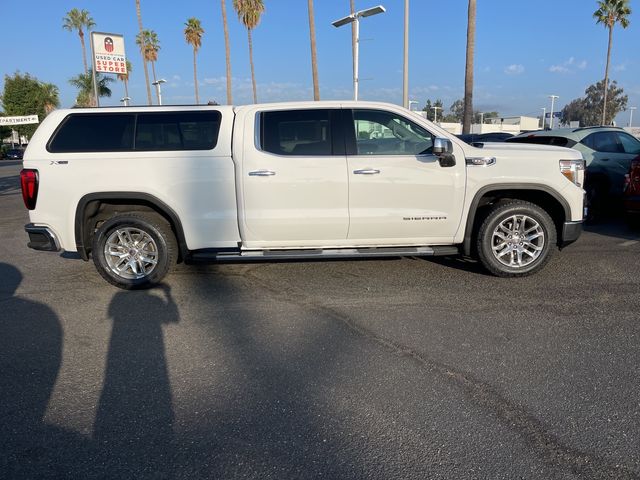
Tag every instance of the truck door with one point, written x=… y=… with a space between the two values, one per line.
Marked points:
x=398 y=190
x=294 y=179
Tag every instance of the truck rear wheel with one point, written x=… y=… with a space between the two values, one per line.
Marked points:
x=516 y=239
x=135 y=250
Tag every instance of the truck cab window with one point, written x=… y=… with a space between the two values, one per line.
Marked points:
x=385 y=133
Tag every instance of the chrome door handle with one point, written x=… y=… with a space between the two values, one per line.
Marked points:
x=366 y=171
x=262 y=173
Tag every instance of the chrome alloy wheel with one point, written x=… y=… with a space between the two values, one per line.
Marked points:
x=517 y=241
x=131 y=253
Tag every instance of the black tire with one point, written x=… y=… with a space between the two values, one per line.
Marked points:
x=141 y=267
x=516 y=255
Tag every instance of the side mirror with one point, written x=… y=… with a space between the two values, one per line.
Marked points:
x=443 y=149
x=442 y=146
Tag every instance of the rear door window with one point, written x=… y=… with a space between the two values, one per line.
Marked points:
x=155 y=131
x=177 y=131
x=604 y=142
x=629 y=143
x=296 y=132
x=94 y=133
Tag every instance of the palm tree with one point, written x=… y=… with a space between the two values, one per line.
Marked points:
x=609 y=13
x=49 y=95
x=149 y=46
x=193 y=35
x=314 y=53
x=353 y=37
x=227 y=49
x=467 y=116
x=124 y=77
x=79 y=20
x=249 y=12
x=142 y=50
x=84 y=83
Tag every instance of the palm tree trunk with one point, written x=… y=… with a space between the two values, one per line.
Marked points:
x=606 y=79
x=84 y=51
x=142 y=50
x=227 y=50
x=314 y=54
x=468 y=75
x=195 y=76
x=353 y=38
x=153 y=70
x=253 y=74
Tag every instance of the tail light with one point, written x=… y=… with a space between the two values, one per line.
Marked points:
x=573 y=170
x=29 y=184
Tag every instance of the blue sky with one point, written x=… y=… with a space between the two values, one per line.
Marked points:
x=524 y=50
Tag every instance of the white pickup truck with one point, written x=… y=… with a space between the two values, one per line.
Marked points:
x=140 y=188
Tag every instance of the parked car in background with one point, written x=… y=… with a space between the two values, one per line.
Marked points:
x=632 y=193
x=472 y=138
x=608 y=152
x=14 y=154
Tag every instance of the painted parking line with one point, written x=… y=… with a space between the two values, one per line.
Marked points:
x=629 y=243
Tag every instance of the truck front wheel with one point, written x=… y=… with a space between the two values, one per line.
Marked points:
x=516 y=239
x=135 y=250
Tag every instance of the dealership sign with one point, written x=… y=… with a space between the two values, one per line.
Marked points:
x=108 y=53
x=19 y=120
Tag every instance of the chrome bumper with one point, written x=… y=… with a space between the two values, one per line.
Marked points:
x=41 y=238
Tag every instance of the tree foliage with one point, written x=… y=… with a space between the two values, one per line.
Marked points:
x=455 y=113
x=84 y=83
x=431 y=111
x=249 y=13
x=79 y=20
x=610 y=13
x=26 y=95
x=149 y=45
x=4 y=130
x=193 y=35
x=587 y=110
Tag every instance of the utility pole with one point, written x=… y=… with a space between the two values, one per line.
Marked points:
x=553 y=101
x=544 y=116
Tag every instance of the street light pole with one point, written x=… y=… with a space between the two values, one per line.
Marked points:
x=157 y=84
x=553 y=101
x=631 y=109
x=355 y=19
x=544 y=116
x=435 y=113
x=125 y=101
x=405 y=70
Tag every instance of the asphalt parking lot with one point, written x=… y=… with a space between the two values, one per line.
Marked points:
x=390 y=369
